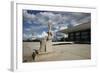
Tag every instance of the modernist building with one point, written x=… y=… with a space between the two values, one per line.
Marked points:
x=80 y=33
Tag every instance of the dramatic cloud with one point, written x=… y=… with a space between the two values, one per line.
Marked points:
x=37 y=21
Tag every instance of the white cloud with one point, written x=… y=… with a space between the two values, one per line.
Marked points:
x=42 y=35
x=56 y=18
x=62 y=28
x=59 y=21
x=43 y=18
x=27 y=36
x=27 y=29
x=28 y=16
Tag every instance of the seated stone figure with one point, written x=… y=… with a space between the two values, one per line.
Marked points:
x=43 y=45
x=46 y=42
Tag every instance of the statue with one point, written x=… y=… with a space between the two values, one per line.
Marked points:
x=46 y=42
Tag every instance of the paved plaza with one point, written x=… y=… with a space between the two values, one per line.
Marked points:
x=60 y=52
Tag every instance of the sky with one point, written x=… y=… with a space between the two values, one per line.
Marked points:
x=35 y=22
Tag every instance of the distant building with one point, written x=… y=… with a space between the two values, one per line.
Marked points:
x=80 y=33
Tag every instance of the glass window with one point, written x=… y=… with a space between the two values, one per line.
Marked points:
x=77 y=34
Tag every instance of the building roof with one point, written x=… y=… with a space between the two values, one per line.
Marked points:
x=79 y=27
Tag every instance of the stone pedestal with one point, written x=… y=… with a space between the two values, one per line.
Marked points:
x=49 y=46
x=46 y=42
x=45 y=46
x=42 y=45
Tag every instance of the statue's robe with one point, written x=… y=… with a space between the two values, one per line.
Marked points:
x=46 y=42
x=43 y=45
